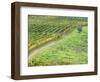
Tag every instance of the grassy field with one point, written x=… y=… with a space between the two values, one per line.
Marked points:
x=71 y=48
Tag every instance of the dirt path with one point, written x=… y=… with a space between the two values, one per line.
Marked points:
x=35 y=51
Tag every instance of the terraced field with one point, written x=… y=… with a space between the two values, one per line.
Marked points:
x=64 y=31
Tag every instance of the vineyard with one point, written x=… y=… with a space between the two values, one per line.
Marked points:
x=43 y=29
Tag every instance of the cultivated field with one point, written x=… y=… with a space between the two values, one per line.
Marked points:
x=57 y=40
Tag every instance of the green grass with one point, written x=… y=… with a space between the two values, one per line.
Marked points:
x=70 y=49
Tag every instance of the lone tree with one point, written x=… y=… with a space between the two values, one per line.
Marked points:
x=79 y=28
